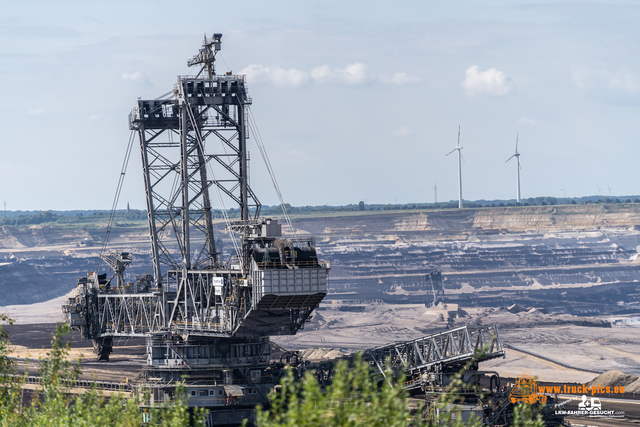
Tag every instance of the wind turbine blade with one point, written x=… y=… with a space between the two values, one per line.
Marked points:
x=516 y=142
x=450 y=152
x=510 y=158
x=459 y=151
x=458 y=145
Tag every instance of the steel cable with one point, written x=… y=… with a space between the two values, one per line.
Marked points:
x=114 y=206
x=267 y=162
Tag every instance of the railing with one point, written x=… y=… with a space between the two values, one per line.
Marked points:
x=129 y=289
x=217 y=77
x=273 y=264
x=202 y=325
x=88 y=384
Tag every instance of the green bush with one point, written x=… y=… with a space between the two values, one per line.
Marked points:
x=60 y=406
x=352 y=399
x=356 y=399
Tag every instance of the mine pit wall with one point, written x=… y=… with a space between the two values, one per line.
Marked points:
x=579 y=260
x=490 y=220
x=501 y=289
x=384 y=255
x=23 y=283
x=42 y=278
x=558 y=217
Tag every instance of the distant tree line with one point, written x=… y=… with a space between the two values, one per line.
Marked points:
x=89 y=217
x=122 y=217
x=38 y=218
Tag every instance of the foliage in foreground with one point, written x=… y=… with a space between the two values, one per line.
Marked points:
x=56 y=406
x=355 y=399
x=352 y=399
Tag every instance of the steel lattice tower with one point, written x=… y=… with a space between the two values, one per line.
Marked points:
x=202 y=315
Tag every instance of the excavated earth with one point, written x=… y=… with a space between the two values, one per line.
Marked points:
x=560 y=281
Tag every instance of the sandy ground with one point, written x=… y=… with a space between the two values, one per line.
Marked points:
x=43 y=312
x=554 y=336
x=515 y=363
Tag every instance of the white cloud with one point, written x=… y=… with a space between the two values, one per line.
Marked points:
x=134 y=77
x=490 y=82
x=623 y=79
x=322 y=73
x=580 y=75
x=596 y=79
x=403 y=78
x=37 y=111
x=526 y=121
x=275 y=75
x=402 y=132
x=353 y=74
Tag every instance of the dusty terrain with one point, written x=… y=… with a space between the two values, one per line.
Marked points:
x=584 y=343
x=573 y=270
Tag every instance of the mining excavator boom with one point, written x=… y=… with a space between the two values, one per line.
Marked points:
x=203 y=316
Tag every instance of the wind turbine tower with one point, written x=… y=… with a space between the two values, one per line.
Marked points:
x=517 y=156
x=459 y=149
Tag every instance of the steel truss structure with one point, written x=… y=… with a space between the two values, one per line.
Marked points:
x=427 y=362
x=177 y=170
x=444 y=353
x=200 y=312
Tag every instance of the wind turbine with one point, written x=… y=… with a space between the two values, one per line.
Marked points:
x=517 y=156
x=459 y=149
x=609 y=190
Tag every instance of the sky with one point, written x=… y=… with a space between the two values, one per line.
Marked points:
x=354 y=100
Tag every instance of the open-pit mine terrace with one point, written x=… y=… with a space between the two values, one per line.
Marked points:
x=580 y=260
x=558 y=280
